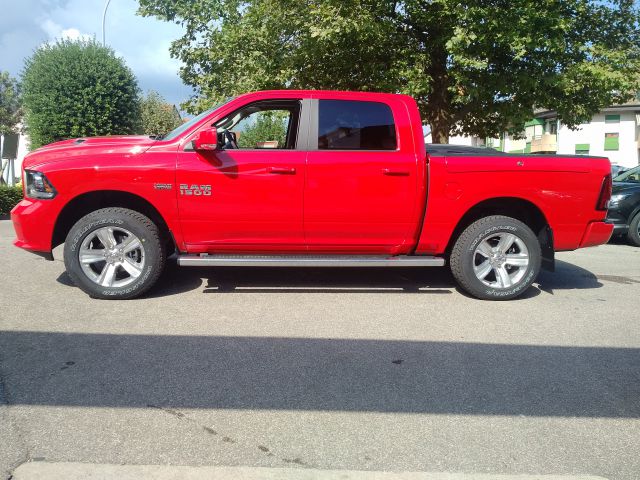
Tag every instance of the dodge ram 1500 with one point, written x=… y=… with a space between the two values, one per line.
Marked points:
x=306 y=178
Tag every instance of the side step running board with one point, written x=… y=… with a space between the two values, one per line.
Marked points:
x=308 y=261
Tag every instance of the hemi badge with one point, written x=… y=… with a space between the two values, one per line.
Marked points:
x=162 y=186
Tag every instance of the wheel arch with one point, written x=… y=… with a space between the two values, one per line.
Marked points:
x=632 y=215
x=88 y=202
x=519 y=208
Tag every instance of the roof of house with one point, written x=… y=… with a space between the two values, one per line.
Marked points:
x=632 y=105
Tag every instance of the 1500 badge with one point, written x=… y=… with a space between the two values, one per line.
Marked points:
x=197 y=190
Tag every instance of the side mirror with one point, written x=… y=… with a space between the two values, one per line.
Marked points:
x=206 y=140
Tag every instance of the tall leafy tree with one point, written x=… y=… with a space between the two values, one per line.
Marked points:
x=10 y=111
x=157 y=117
x=78 y=88
x=475 y=67
x=268 y=126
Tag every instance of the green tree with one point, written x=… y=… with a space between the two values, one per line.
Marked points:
x=157 y=117
x=268 y=126
x=475 y=67
x=10 y=112
x=78 y=88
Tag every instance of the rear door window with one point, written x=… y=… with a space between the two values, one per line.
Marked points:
x=354 y=125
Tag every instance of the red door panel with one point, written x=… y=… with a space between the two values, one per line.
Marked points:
x=359 y=201
x=255 y=202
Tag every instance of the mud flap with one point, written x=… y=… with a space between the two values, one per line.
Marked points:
x=545 y=237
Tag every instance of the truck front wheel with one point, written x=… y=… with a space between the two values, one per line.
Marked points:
x=496 y=258
x=114 y=253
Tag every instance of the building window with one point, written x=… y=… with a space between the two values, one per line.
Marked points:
x=551 y=127
x=612 y=119
x=533 y=132
x=534 y=129
x=582 y=149
x=492 y=143
x=611 y=141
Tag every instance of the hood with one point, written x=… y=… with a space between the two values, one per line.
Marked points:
x=123 y=145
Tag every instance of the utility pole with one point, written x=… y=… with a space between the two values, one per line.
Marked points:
x=104 y=17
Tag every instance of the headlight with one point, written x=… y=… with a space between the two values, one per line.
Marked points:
x=37 y=185
x=616 y=198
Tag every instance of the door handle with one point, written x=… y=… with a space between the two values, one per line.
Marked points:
x=281 y=170
x=395 y=173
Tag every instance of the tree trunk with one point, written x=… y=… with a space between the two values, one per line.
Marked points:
x=439 y=99
x=439 y=132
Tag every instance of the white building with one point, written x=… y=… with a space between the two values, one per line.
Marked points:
x=612 y=133
x=23 y=149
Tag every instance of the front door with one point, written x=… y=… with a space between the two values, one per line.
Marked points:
x=247 y=195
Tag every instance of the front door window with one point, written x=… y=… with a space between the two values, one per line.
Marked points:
x=263 y=125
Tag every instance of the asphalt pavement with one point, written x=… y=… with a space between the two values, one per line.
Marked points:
x=323 y=370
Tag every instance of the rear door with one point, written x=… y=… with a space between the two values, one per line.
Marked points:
x=362 y=179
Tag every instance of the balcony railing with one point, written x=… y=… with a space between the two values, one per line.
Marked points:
x=544 y=143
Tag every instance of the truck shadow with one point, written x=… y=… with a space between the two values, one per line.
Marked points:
x=176 y=280
x=225 y=280
x=567 y=277
x=332 y=280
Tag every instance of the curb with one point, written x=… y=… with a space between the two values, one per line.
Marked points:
x=72 y=471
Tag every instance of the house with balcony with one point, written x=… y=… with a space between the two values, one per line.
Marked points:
x=612 y=133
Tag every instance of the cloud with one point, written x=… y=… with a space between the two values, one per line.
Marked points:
x=57 y=32
x=74 y=34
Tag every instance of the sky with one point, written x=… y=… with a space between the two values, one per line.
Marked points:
x=143 y=43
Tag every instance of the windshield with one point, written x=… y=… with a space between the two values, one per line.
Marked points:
x=185 y=126
x=632 y=175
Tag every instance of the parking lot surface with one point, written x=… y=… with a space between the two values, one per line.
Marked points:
x=328 y=369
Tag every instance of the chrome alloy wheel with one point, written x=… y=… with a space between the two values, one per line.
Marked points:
x=500 y=260
x=112 y=257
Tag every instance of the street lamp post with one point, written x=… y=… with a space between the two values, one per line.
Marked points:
x=104 y=17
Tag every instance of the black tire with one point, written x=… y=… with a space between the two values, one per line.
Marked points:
x=151 y=254
x=465 y=256
x=633 y=235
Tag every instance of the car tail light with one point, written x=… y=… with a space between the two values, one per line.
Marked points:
x=38 y=186
x=605 y=194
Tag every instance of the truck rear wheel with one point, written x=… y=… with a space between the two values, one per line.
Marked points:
x=114 y=253
x=496 y=258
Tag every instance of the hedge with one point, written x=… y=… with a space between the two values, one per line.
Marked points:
x=9 y=198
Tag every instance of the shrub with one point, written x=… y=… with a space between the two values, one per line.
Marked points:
x=9 y=198
x=270 y=125
x=78 y=88
x=157 y=116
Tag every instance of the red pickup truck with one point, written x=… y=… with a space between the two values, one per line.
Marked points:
x=306 y=178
